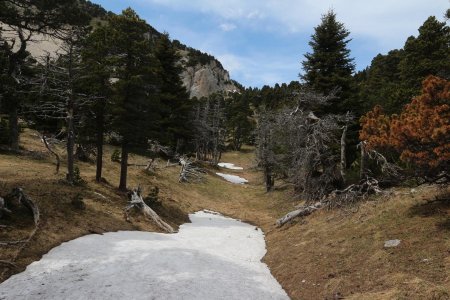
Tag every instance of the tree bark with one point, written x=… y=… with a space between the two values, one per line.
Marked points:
x=124 y=167
x=362 y=170
x=70 y=143
x=301 y=212
x=138 y=202
x=343 y=150
x=58 y=160
x=14 y=125
x=100 y=137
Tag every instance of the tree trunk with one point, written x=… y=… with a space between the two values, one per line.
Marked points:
x=70 y=143
x=13 y=126
x=270 y=181
x=100 y=135
x=301 y=212
x=362 y=170
x=343 y=150
x=124 y=167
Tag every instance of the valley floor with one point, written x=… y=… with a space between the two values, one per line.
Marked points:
x=329 y=254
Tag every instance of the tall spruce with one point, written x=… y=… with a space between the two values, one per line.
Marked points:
x=135 y=102
x=426 y=54
x=97 y=83
x=176 y=106
x=329 y=65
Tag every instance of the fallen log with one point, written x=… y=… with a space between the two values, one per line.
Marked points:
x=301 y=212
x=137 y=202
x=338 y=198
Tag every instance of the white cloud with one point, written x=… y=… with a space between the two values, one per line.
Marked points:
x=258 y=71
x=227 y=26
x=386 y=21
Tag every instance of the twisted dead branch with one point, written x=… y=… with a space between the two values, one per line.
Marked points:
x=137 y=202
x=189 y=172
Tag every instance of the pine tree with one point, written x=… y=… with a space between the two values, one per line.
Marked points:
x=175 y=103
x=329 y=66
x=135 y=103
x=97 y=61
x=426 y=54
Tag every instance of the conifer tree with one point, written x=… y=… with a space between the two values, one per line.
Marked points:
x=175 y=103
x=97 y=83
x=426 y=54
x=329 y=65
x=135 y=102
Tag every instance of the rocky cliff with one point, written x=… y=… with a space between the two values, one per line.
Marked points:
x=202 y=80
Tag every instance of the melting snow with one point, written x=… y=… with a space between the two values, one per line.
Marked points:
x=213 y=257
x=233 y=178
x=229 y=166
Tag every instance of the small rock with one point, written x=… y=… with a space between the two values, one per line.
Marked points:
x=391 y=243
x=303 y=281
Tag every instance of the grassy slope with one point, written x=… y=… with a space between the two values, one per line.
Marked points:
x=327 y=253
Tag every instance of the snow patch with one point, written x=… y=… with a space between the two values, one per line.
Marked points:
x=229 y=166
x=213 y=257
x=233 y=178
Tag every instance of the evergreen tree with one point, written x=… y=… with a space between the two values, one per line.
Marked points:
x=175 y=103
x=135 y=102
x=329 y=66
x=238 y=121
x=381 y=83
x=426 y=54
x=97 y=83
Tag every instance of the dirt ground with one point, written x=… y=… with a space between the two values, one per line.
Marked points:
x=329 y=255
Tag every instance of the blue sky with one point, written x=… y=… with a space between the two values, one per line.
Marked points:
x=262 y=42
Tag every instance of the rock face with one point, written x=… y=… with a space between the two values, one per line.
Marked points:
x=204 y=80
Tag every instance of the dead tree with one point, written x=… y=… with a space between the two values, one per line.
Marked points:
x=53 y=152
x=137 y=202
x=296 y=144
x=60 y=98
x=209 y=123
x=189 y=172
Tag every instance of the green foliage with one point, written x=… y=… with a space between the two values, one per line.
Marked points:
x=152 y=198
x=393 y=79
x=175 y=106
x=115 y=156
x=239 y=122
x=135 y=101
x=197 y=57
x=329 y=66
x=77 y=179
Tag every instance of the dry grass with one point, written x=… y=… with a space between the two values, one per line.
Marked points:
x=327 y=254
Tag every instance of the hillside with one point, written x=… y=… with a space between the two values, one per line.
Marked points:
x=202 y=73
x=330 y=254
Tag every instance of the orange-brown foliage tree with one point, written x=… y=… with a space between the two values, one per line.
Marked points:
x=420 y=134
